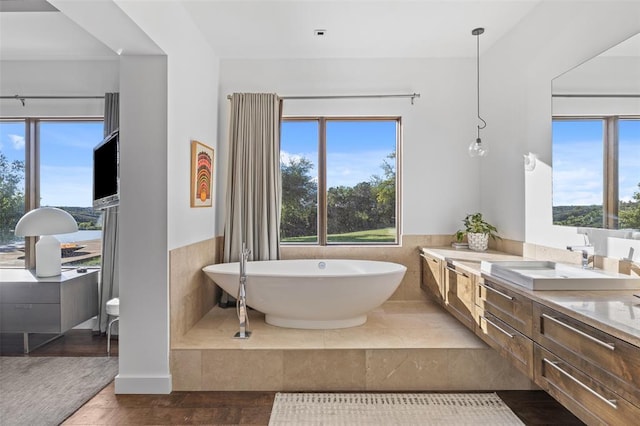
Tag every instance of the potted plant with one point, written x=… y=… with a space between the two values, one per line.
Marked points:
x=477 y=231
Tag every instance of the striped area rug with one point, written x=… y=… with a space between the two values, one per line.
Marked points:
x=391 y=409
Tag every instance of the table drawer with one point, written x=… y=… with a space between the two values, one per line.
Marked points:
x=509 y=343
x=29 y=292
x=510 y=307
x=600 y=355
x=586 y=397
x=30 y=318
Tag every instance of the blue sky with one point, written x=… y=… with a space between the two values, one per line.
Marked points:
x=66 y=159
x=578 y=161
x=355 y=150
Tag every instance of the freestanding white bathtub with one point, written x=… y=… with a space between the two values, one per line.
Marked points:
x=312 y=293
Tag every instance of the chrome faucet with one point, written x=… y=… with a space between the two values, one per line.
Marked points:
x=241 y=302
x=585 y=254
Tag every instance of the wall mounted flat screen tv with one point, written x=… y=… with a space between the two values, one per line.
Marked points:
x=106 y=172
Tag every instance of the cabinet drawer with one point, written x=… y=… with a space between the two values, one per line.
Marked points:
x=460 y=299
x=29 y=318
x=600 y=355
x=586 y=397
x=507 y=305
x=29 y=292
x=432 y=277
x=509 y=343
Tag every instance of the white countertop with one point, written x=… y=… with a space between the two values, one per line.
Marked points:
x=29 y=276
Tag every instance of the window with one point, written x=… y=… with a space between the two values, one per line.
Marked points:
x=339 y=182
x=596 y=172
x=49 y=163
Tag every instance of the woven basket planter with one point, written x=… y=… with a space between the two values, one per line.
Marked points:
x=478 y=242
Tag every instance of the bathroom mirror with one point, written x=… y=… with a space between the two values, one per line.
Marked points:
x=596 y=141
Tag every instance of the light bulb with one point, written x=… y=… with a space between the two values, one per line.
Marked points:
x=476 y=149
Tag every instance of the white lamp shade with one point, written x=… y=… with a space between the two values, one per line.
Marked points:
x=45 y=221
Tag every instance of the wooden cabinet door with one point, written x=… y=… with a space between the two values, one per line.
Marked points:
x=509 y=306
x=460 y=288
x=589 y=399
x=433 y=277
x=598 y=354
x=510 y=343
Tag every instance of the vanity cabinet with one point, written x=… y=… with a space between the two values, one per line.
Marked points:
x=459 y=294
x=433 y=277
x=503 y=321
x=592 y=361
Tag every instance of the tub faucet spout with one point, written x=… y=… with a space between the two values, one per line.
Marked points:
x=241 y=304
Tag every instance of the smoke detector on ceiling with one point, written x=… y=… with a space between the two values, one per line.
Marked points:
x=320 y=32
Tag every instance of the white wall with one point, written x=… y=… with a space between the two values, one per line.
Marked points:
x=192 y=110
x=143 y=255
x=55 y=78
x=439 y=180
x=553 y=38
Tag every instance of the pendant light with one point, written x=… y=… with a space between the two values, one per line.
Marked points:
x=476 y=149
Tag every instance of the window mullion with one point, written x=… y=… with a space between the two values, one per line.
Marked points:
x=322 y=181
x=32 y=182
x=611 y=198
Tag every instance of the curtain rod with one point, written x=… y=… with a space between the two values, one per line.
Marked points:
x=596 y=95
x=412 y=96
x=22 y=98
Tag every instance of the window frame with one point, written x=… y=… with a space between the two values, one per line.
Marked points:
x=610 y=171
x=32 y=168
x=322 y=209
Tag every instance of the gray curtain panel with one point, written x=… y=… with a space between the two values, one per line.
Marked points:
x=109 y=266
x=253 y=182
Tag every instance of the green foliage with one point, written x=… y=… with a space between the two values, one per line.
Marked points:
x=475 y=224
x=369 y=236
x=11 y=197
x=361 y=208
x=630 y=212
x=586 y=216
x=299 y=199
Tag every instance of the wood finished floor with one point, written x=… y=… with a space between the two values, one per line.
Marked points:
x=219 y=408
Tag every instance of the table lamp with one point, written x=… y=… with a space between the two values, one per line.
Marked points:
x=46 y=222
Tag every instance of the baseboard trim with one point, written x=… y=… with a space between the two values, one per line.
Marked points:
x=125 y=384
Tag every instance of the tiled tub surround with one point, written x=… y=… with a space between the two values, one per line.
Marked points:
x=191 y=294
x=404 y=345
x=408 y=344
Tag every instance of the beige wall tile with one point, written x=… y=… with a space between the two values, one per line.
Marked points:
x=186 y=370
x=407 y=369
x=191 y=293
x=483 y=369
x=326 y=370
x=242 y=370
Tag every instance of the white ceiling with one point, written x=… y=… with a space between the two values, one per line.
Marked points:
x=285 y=29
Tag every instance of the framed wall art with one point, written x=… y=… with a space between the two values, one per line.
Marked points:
x=201 y=175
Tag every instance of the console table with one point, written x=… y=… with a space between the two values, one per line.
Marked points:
x=50 y=305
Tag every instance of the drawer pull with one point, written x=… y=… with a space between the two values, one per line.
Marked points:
x=457 y=272
x=505 y=295
x=609 y=346
x=611 y=402
x=23 y=306
x=496 y=326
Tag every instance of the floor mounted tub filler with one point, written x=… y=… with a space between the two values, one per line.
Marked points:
x=312 y=293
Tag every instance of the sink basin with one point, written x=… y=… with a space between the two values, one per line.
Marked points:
x=542 y=275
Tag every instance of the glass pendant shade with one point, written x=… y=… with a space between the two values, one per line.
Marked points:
x=476 y=149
